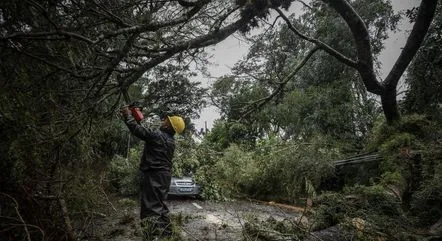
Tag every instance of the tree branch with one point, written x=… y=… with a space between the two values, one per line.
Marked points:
x=425 y=15
x=213 y=37
x=43 y=11
x=65 y=34
x=362 y=41
x=25 y=226
x=53 y=65
x=150 y=27
x=300 y=65
x=341 y=57
x=109 y=15
x=105 y=75
x=120 y=55
x=304 y=4
x=261 y=102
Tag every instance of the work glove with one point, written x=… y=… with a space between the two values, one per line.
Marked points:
x=125 y=112
x=132 y=110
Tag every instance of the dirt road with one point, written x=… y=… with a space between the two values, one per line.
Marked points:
x=200 y=220
x=225 y=220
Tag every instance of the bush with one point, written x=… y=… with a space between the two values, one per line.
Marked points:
x=412 y=156
x=371 y=206
x=186 y=158
x=274 y=169
x=427 y=200
x=85 y=193
x=124 y=175
x=330 y=209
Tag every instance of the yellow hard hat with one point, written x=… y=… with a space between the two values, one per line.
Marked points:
x=177 y=123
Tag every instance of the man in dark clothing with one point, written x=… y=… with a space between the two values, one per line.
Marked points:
x=156 y=168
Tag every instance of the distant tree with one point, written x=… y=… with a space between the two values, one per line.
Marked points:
x=362 y=59
x=300 y=91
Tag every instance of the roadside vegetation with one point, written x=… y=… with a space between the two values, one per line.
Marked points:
x=304 y=101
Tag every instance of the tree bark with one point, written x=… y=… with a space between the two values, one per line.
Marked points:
x=390 y=106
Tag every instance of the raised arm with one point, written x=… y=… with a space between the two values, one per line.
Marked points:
x=138 y=130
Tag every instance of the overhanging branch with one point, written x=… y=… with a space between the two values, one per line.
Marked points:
x=148 y=27
x=213 y=37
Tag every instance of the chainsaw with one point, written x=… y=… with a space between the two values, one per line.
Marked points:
x=134 y=107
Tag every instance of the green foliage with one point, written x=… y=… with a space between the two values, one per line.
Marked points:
x=171 y=91
x=274 y=169
x=360 y=212
x=51 y=153
x=390 y=137
x=330 y=209
x=397 y=141
x=218 y=136
x=380 y=18
x=413 y=133
x=379 y=211
x=127 y=203
x=238 y=171
x=324 y=109
x=271 y=169
x=225 y=133
x=178 y=221
x=205 y=174
x=86 y=193
x=259 y=9
x=428 y=198
x=395 y=178
x=376 y=200
x=186 y=160
x=123 y=173
x=423 y=95
x=271 y=229
x=412 y=156
x=62 y=65
x=323 y=98
x=60 y=92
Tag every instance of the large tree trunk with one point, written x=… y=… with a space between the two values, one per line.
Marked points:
x=390 y=107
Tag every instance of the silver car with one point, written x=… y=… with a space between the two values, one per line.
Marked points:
x=184 y=186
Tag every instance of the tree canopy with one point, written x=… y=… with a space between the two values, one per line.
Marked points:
x=305 y=85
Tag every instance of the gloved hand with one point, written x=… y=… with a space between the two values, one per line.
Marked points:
x=125 y=111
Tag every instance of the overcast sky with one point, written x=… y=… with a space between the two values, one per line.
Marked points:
x=229 y=51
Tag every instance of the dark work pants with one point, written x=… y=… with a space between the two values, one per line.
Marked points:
x=154 y=212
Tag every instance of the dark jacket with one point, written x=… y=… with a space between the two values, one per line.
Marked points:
x=158 y=148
